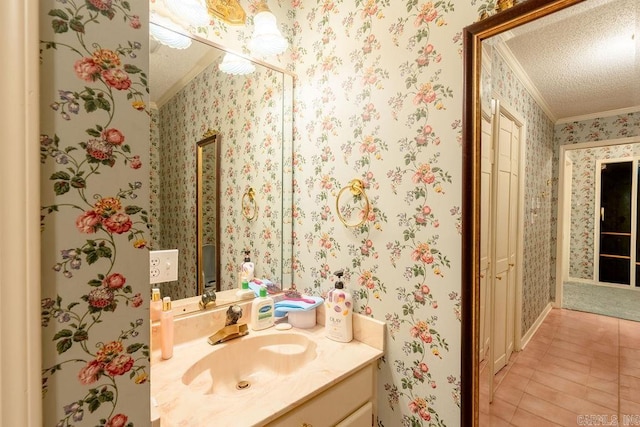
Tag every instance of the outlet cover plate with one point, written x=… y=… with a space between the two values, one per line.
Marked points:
x=163 y=266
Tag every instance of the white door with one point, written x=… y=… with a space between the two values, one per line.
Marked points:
x=505 y=226
x=485 y=232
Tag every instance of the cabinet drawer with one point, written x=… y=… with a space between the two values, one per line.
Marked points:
x=333 y=405
x=363 y=417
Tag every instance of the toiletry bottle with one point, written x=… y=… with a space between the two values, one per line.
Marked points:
x=155 y=307
x=166 y=328
x=338 y=310
x=262 y=311
x=245 y=292
x=247 y=267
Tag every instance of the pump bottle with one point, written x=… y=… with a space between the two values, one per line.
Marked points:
x=338 y=311
x=247 y=267
x=155 y=306
x=166 y=329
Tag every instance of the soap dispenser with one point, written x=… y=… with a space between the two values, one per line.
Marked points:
x=247 y=267
x=262 y=311
x=338 y=311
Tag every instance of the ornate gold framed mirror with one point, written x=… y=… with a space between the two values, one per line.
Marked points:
x=473 y=37
x=208 y=211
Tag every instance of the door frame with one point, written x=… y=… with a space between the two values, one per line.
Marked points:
x=20 y=334
x=501 y=106
x=564 y=218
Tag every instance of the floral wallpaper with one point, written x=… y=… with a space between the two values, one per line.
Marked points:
x=378 y=98
x=94 y=215
x=247 y=113
x=155 y=227
x=583 y=201
x=598 y=129
x=539 y=237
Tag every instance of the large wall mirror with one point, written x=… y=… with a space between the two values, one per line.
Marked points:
x=251 y=116
x=531 y=77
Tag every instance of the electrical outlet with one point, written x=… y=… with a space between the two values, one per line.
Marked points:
x=163 y=266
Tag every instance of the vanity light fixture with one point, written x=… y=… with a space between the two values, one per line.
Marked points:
x=167 y=32
x=228 y=11
x=267 y=39
x=237 y=65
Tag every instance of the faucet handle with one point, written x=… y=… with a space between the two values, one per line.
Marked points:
x=208 y=297
x=234 y=313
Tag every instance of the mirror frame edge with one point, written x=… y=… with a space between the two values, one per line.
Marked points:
x=473 y=35
x=213 y=139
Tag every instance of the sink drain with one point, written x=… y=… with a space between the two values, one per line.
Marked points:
x=242 y=385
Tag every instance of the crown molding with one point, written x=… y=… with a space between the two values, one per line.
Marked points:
x=521 y=74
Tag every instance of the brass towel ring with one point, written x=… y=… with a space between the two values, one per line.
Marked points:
x=357 y=189
x=250 y=194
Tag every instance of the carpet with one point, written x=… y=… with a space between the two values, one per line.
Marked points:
x=607 y=300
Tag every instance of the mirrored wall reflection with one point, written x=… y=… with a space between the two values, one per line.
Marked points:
x=252 y=115
x=517 y=88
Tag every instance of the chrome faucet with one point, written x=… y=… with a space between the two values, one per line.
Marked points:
x=207 y=299
x=231 y=327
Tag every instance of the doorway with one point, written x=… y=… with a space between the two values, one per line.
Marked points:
x=616 y=228
x=580 y=241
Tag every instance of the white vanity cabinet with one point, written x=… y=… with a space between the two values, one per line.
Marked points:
x=302 y=378
x=349 y=403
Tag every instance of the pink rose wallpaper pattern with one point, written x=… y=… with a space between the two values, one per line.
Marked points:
x=94 y=213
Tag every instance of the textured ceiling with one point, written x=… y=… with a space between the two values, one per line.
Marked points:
x=171 y=69
x=584 y=59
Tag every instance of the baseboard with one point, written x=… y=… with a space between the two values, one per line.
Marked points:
x=579 y=280
x=534 y=328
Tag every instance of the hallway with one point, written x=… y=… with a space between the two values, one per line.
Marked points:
x=578 y=369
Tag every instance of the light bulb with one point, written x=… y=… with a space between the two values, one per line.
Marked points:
x=233 y=64
x=162 y=30
x=267 y=39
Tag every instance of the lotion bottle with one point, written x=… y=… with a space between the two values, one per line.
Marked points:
x=262 y=311
x=166 y=329
x=338 y=311
x=247 y=267
x=155 y=307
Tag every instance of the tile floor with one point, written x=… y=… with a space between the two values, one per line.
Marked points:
x=578 y=369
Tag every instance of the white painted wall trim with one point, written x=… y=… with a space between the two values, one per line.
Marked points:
x=536 y=325
x=20 y=347
x=633 y=215
x=581 y=280
x=521 y=74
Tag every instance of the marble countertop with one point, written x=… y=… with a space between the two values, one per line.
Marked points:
x=180 y=405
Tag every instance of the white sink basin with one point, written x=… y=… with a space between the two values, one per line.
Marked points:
x=249 y=363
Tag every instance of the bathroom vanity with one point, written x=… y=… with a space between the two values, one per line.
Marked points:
x=296 y=377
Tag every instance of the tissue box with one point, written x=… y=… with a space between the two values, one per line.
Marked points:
x=303 y=319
